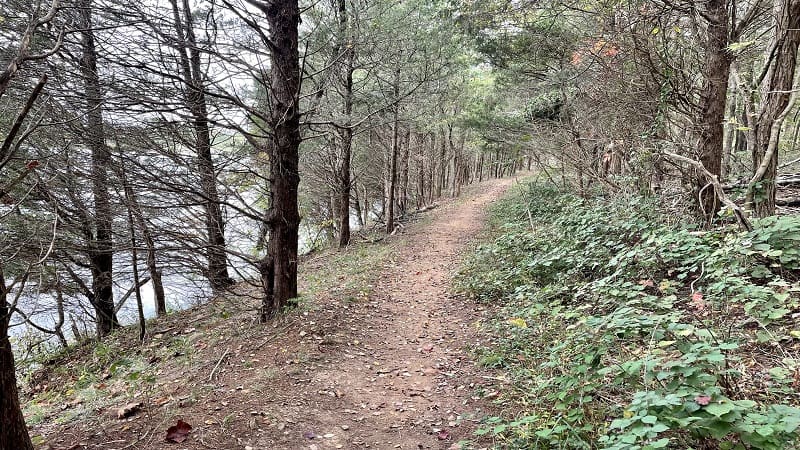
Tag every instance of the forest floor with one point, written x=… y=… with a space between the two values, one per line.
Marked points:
x=378 y=358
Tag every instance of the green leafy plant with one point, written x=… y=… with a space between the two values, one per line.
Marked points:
x=639 y=332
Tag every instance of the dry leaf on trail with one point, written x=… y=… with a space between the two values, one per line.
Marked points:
x=178 y=432
x=128 y=410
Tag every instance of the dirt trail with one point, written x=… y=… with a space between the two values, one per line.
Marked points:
x=412 y=387
x=391 y=372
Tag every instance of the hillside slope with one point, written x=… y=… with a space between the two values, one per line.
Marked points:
x=374 y=357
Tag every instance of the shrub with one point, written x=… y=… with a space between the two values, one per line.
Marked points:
x=625 y=330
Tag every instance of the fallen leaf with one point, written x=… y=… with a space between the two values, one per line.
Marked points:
x=128 y=410
x=178 y=432
x=443 y=435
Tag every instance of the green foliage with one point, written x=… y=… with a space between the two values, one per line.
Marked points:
x=546 y=106
x=624 y=332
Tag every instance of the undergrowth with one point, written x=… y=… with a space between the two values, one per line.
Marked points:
x=623 y=327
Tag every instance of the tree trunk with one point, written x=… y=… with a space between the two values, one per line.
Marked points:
x=135 y=266
x=357 y=208
x=155 y=274
x=13 y=432
x=279 y=267
x=152 y=265
x=776 y=98
x=346 y=133
x=432 y=167
x=101 y=245
x=442 y=164
x=730 y=135
x=403 y=197
x=712 y=104
x=367 y=206
x=58 y=328
x=420 y=197
x=189 y=53
x=393 y=157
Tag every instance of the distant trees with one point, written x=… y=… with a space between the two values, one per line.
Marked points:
x=617 y=88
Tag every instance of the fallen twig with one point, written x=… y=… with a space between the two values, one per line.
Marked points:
x=211 y=376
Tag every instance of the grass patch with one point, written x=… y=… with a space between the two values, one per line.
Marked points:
x=347 y=275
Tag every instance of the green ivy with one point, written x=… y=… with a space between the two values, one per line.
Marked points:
x=623 y=329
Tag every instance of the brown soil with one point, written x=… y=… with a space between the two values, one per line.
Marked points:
x=391 y=371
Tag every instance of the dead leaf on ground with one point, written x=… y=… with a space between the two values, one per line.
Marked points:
x=178 y=432
x=309 y=435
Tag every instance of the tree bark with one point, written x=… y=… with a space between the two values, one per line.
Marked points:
x=13 y=432
x=151 y=262
x=135 y=266
x=357 y=208
x=775 y=99
x=279 y=267
x=712 y=104
x=101 y=245
x=730 y=135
